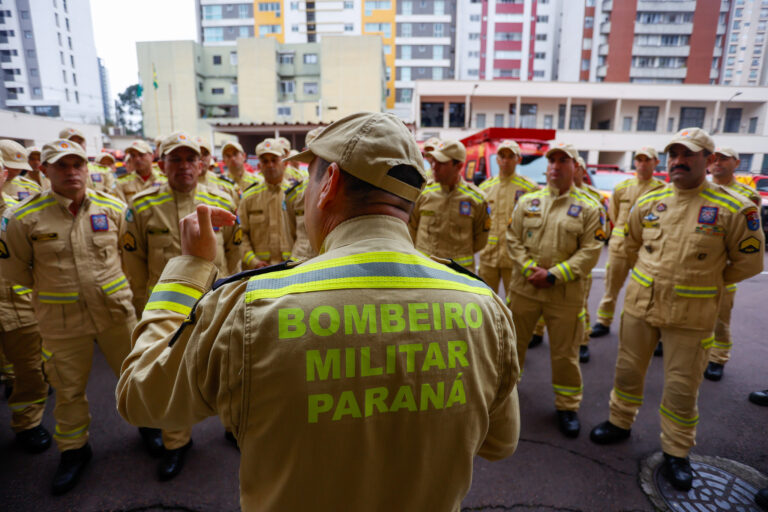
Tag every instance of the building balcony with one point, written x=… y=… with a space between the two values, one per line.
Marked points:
x=721 y=29
x=678 y=6
x=714 y=74
x=658 y=72
x=605 y=28
x=660 y=51
x=602 y=50
x=608 y=5
x=718 y=52
x=724 y=6
x=664 y=28
x=602 y=71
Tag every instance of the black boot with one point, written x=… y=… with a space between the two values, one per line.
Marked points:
x=761 y=498
x=34 y=440
x=677 y=470
x=599 y=330
x=8 y=389
x=173 y=462
x=536 y=340
x=153 y=441
x=71 y=467
x=230 y=437
x=714 y=372
x=568 y=423
x=608 y=433
x=759 y=397
x=659 y=350
x=583 y=353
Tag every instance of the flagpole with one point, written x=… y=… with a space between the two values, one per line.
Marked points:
x=157 y=105
x=170 y=102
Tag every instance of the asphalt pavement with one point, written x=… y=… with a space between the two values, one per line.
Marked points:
x=547 y=473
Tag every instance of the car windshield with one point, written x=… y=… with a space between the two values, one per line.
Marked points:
x=608 y=180
x=762 y=185
x=535 y=170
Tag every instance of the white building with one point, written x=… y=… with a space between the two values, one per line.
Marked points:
x=743 y=61
x=49 y=60
x=607 y=121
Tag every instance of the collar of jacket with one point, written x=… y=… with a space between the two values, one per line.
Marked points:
x=366 y=227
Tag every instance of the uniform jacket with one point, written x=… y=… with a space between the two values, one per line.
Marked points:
x=686 y=245
x=15 y=300
x=102 y=179
x=452 y=224
x=151 y=235
x=502 y=196
x=294 y=208
x=245 y=180
x=21 y=188
x=71 y=262
x=213 y=180
x=748 y=192
x=266 y=236
x=624 y=196
x=368 y=377
x=561 y=233
x=131 y=184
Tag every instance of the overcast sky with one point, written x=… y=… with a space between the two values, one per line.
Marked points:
x=119 y=25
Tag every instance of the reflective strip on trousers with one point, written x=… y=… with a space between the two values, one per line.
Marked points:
x=686 y=422
x=567 y=390
x=627 y=397
x=20 y=406
x=72 y=434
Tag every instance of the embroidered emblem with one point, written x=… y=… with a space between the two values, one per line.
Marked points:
x=465 y=208
x=574 y=210
x=661 y=207
x=99 y=222
x=708 y=215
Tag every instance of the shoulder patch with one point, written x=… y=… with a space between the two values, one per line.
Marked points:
x=749 y=245
x=752 y=218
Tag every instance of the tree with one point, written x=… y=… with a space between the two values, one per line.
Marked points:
x=128 y=110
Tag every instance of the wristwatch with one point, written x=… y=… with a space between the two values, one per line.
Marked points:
x=550 y=278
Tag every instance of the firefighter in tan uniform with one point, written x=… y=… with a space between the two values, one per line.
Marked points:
x=234 y=158
x=266 y=235
x=450 y=219
x=63 y=244
x=502 y=193
x=554 y=238
x=211 y=179
x=151 y=237
x=622 y=200
x=100 y=178
x=294 y=210
x=293 y=173
x=722 y=169
x=36 y=174
x=144 y=175
x=430 y=145
x=108 y=161
x=21 y=345
x=686 y=242
x=14 y=156
x=292 y=360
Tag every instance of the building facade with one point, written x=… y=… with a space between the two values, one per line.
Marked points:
x=743 y=60
x=608 y=122
x=48 y=60
x=106 y=102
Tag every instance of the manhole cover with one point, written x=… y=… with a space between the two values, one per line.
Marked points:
x=718 y=485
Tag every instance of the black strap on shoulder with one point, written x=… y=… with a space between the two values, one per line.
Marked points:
x=227 y=179
x=250 y=273
x=461 y=270
x=255 y=183
x=292 y=187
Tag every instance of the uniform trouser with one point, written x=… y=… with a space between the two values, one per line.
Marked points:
x=721 y=350
x=565 y=331
x=583 y=316
x=495 y=275
x=6 y=367
x=616 y=271
x=22 y=348
x=685 y=356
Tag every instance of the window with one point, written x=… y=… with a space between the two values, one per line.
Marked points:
x=233 y=58
x=627 y=124
x=405 y=74
x=506 y=73
x=498 y=120
x=738 y=13
x=528 y=115
x=439 y=7
x=405 y=52
x=63 y=76
x=589 y=21
x=269 y=7
x=510 y=36
x=548 y=121
x=646 y=119
x=213 y=34
x=61 y=57
x=755 y=63
x=473 y=54
x=349 y=5
x=507 y=54
x=542 y=19
x=540 y=55
x=474 y=36
x=283 y=111
x=32 y=54
x=538 y=74
x=541 y=37
x=56 y=19
x=456 y=115
x=28 y=35
x=732 y=120
x=437 y=73
x=377 y=5
x=200 y=86
x=586 y=44
x=730 y=61
x=406 y=29
x=736 y=25
x=244 y=31
x=285 y=58
x=310 y=58
x=286 y=86
x=437 y=52
x=72 y=60
x=310 y=88
x=294 y=28
x=403 y=95
x=746 y=162
x=37 y=91
x=69 y=42
x=217 y=90
x=294 y=6
x=473 y=72
x=33 y=72
x=243 y=11
x=217 y=60
x=480 y=121
x=474 y=17
x=66 y=24
x=691 y=117
x=74 y=79
x=384 y=28
x=561 y=117
x=432 y=114
x=752 y=125
x=349 y=27
x=578 y=117
x=761 y=26
x=438 y=31
x=212 y=12
x=585 y=64
x=269 y=29
x=407 y=8
x=77 y=97
x=24 y=15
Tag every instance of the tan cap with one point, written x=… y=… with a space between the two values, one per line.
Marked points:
x=270 y=147
x=568 y=149
x=510 y=145
x=647 y=151
x=694 y=139
x=449 y=150
x=367 y=145
x=232 y=144
x=2 y=163
x=293 y=152
x=32 y=149
x=139 y=146
x=14 y=154
x=204 y=144
x=53 y=151
x=178 y=140
x=432 y=142
x=102 y=156
x=284 y=143
x=68 y=133
x=580 y=161
x=730 y=152
x=312 y=134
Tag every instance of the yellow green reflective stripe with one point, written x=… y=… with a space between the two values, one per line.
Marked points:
x=46 y=354
x=34 y=206
x=640 y=277
x=522 y=183
x=248 y=257
x=565 y=270
x=583 y=314
x=527 y=271
x=109 y=203
x=12 y=201
x=686 y=422
x=71 y=434
x=465 y=260
x=731 y=288
x=477 y=197
x=118 y=284
x=626 y=183
x=286 y=255
x=724 y=345
x=489 y=183
x=567 y=390
x=708 y=342
x=493 y=240
x=20 y=406
x=604 y=314
x=7 y=368
x=723 y=200
x=620 y=232
x=651 y=196
x=250 y=191
x=380 y=270
x=21 y=290
x=213 y=200
x=299 y=188
x=57 y=298
x=145 y=202
x=696 y=291
x=173 y=297
x=627 y=397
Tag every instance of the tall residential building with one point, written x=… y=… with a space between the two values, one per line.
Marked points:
x=106 y=102
x=258 y=82
x=744 y=57
x=221 y=24
x=48 y=60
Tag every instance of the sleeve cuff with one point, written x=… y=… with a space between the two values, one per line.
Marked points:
x=197 y=272
x=563 y=272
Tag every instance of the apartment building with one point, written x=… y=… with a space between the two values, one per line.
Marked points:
x=48 y=60
x=222 y=23
x=106 y=95
x=743 y=60
x=606 y=121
